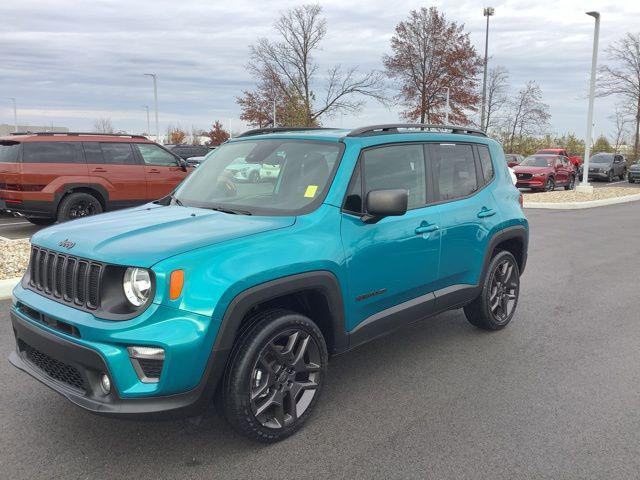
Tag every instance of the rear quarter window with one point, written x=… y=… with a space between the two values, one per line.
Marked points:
x=485 y=161
x=52 y=152
x=9 y=152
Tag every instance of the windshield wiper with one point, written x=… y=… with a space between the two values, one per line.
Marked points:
x=229 y=210
x=176 y=200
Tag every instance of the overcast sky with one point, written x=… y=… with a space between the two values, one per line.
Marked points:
x=69 y=62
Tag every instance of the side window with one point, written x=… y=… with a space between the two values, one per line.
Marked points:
x=52 y=152
x=116 y=153
x=485 y=161
x=353 y=200
x=454 y=171
x=92 y=152
x=397 y=166
x=154 y=155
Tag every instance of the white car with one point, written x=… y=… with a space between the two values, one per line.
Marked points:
x=269 y=172
x=512 y=172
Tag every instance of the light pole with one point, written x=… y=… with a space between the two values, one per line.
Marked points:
x=585 y=187
x=448 y=108
x=488 y=12
x=155 y=102
x=146 y=107
x=15 y=114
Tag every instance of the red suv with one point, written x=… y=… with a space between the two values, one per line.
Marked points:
x=49 y=176
x=545 y=172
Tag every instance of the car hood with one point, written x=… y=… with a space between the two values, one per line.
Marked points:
x=528 y=169
x=143 y=236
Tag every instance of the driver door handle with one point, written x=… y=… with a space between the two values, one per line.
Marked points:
x=426 y=228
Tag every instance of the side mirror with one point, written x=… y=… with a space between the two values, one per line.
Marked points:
x=385 y=203
x=182 y=163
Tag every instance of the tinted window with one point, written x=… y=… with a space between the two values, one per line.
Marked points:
x=454 y=171
x=118 y=153
x=154 y=155
x=52 y=152
x=93 y=152
x=485 y=161
x=397 y=166
x=9 y=152
x=353 y=200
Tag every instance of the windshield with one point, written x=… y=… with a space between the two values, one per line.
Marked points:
x=538 y=161
x=9 y=152
x=602 y=158
x=262 y=177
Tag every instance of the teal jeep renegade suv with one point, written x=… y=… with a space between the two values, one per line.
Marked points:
x=237 y=293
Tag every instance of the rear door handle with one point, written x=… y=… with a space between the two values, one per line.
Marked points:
x=486 y=212
x=154 y=170
x=98 y=170
x=426 y=228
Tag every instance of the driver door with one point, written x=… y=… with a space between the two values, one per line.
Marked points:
x=163 y=171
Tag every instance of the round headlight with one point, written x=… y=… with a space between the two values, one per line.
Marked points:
x=137 y=285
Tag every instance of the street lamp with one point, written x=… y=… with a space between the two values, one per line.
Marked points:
x=146 y=107
x=155 y=102
x=15 y=114
x=488 y=12
x=585 y=187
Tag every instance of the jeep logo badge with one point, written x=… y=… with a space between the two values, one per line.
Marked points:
x=66 y=243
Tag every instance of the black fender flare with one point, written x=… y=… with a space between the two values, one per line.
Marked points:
x=519 y=232
x=320 y=280
x=69 y=187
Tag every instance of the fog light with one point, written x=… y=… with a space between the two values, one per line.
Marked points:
x=105 y=384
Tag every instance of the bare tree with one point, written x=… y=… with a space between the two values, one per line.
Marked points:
x=621 y=120
x=527 y=114
x=286 y=69
x=430 y=54
x=103 y=125
x=497 y=95
x=623 y=77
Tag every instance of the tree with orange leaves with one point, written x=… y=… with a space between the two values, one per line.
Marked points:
x=429 y=55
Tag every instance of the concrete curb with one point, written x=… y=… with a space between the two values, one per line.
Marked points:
x=6 y=287
x=581 y=205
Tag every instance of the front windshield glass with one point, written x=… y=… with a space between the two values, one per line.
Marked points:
x=262 y=177
x=602 y=158
x=538 y=161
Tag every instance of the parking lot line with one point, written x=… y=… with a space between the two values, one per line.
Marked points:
x=12 y=224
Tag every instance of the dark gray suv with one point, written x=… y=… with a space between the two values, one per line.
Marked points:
x=607 y=166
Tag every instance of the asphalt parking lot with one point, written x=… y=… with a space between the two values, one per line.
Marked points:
x=555 y=395
x=15 y=227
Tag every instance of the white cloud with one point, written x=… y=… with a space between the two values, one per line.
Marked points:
x=70 y=62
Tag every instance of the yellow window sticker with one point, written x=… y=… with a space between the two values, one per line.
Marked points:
x=311 y=190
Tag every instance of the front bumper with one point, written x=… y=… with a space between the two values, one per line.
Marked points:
x=634 y=174
x=73 y=366
x=535 y=182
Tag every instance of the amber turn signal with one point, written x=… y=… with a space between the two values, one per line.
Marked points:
x=176 y=282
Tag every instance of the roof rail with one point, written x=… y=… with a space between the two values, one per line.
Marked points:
x=261 y=131
x=51 y=134
x=394 y=127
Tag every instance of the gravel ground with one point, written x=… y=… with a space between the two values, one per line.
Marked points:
x=14 y=257
x=573 y=196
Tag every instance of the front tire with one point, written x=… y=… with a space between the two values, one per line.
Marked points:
x=550 y=186
x=275 y=376
x=494 y=308
x=78 y=205
x=610 y=176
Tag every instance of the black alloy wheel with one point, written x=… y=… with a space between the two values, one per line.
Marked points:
x=610 y=176
x=82 y=208
x=285 y=378
x=78 y=205
x=504 y=289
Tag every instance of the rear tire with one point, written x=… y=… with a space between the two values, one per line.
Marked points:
x=610 y=176
x=631 y=180
x=494 y=308
x=42 y=221
x=623 y=175
x=274 y=377
x=78 y=205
